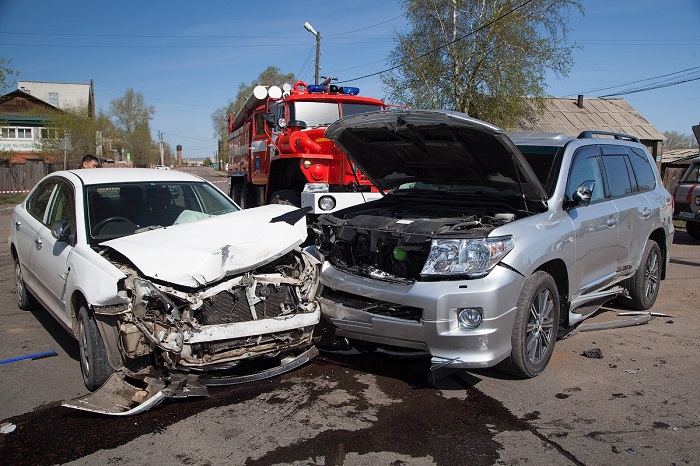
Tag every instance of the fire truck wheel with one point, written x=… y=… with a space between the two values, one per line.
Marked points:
x=286 y=197
x=247 y=197
x=236 y=191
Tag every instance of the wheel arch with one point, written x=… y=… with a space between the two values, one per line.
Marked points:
x=107 y=330
x=659 y=236
x=556 y=268
x=284 y=174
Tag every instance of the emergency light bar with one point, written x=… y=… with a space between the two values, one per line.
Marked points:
x=321 y=89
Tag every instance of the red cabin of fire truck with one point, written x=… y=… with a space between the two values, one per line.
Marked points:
x=278 y=152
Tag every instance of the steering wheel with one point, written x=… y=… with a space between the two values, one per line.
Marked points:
x=98 y=226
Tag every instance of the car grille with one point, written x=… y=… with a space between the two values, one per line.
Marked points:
x=380 y=308
x=231 y=307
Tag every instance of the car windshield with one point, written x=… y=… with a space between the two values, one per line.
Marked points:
x=122 y=209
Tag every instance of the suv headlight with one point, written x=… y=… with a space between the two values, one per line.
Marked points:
x=470 y=257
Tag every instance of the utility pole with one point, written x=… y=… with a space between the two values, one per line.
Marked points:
x=160 y=143
x=311 y=29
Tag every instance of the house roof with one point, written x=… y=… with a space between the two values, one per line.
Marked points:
x=680 y=155
x=563 y=115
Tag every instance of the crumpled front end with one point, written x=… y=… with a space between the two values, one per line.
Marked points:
x=246 y=327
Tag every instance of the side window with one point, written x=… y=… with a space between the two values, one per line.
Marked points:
x=259 y=124
x=63 y=206
x=36 y=204
x=586 y=166
x=643 y=171
x=618 y=175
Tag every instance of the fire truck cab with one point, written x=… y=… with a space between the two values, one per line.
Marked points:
x=278 y=152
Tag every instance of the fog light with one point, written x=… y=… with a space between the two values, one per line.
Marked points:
x=470 y=317
x=326 y=203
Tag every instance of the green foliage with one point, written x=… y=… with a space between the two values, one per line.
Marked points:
x=271 y=76
x=6 y=74
x=131 y=117
x=207 y=162
x=459 y=56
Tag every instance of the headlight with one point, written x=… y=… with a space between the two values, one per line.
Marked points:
x=326 y=203
x=470 y=257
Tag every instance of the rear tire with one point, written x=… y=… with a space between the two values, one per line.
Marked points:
x=286 y=197
x=25 y=299
x=94 y=363
x=247 y=196
x=535 y=328
x=643 y=286
x=693 y=230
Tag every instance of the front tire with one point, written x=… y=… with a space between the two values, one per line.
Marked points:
x=693 y=229
x=25 y=299
x=94 y=363
x=643 y=286
x=536 y=325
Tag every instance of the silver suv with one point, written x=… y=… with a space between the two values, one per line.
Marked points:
x=487 y=244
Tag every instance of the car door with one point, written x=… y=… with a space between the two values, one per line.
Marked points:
x=27 y=224
x=634 y=208
x=49 y=258
x=595 y=226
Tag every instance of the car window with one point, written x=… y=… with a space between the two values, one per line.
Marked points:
x=545 y=162
x=616 y=169
x=586 y=166
x=643 y=171
x=692 y=175
x=37 y=202
x=63 y=206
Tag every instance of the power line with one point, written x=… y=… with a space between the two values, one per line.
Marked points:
x=365 y=28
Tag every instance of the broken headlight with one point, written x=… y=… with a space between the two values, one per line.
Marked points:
x=470 y=257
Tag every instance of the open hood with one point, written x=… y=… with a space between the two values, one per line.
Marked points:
x=201 y=252
x=435 y=147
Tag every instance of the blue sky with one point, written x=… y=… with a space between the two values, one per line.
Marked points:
x=188 y=58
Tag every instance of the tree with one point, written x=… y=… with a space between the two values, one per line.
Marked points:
x=6 y=74
x=271 y=76
x=676 y=140
x=131 y=116
x=484 y=58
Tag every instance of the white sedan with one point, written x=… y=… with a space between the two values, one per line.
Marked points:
x=166 y=284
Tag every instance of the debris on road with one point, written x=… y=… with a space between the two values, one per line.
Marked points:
x=34 y=356
x=594 y=353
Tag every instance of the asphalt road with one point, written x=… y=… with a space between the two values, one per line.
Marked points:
x=636 y=405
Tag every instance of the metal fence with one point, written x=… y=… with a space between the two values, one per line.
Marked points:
x=20 y=178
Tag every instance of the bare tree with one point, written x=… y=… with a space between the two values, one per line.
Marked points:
x=676 y=140
x=481 y=57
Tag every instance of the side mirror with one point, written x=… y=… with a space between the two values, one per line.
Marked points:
x=270 y=119
x=582 y=195
x=61 y=230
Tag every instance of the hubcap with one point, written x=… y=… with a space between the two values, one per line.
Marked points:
x=540 y=326
x=651 y=276
x=84 y=358
x=19 y=282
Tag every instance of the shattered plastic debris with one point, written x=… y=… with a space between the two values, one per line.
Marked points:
x=594 y=353
x=7 y=427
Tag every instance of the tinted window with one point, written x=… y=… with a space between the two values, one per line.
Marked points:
x=545 y=162
x=585 y=167
x=353 y=109
x=36 y=204
x=643 y=171
x=618 y=175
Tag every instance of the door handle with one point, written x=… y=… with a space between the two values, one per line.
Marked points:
x=18 y=225
x=39 y=243
x=612 y=221
x=646 y=213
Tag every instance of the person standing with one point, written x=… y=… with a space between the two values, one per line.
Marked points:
x=90 y=161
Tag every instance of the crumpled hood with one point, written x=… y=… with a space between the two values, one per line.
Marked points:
x=197 y=253
x=434 y=147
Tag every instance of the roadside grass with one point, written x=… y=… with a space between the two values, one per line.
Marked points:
x=9 y=201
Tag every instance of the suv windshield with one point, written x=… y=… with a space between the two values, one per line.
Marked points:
x=122 y=209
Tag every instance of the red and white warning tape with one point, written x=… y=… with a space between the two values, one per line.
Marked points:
x=14 y=192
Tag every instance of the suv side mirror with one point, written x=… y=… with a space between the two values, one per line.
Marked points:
x=61 y=230
x=582 y=195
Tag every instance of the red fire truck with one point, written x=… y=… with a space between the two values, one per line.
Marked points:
x=278 y=154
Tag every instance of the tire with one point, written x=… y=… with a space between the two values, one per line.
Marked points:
x=94 y=363
x=535 y=328
x=643 y=286
x=236 y=193
x=693 y=230
x=286 y=197
x=247 y=196
x=25 y=300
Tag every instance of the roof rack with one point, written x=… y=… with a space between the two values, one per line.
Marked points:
x=626 y=137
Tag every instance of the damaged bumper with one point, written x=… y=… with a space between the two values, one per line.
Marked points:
x=423 y=315
x=119 y=397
